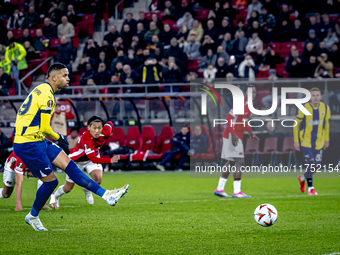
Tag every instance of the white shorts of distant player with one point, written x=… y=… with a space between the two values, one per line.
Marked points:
x=87 y=166
x=229 y=151
x=9 y=176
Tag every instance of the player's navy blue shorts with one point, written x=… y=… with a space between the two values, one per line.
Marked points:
x=37 y=156
x=312 y=156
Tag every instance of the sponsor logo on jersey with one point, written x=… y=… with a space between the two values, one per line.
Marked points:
x=314 y=122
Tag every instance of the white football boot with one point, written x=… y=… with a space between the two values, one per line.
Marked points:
x=112 y=196
x=89 y=196
x=34 y=222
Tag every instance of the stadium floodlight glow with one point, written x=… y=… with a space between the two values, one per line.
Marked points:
x=238 y=100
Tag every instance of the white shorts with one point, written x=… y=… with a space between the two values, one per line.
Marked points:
x=229 y=151
x=9 y=178
x=87 y=166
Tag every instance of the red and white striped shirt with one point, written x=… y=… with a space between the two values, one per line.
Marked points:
x=237 y=124
x=87 y=147
x=14 y=163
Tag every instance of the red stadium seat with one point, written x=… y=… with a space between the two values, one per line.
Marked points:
x=76 y=31
x=33 y=32
x=148 y=15
x=252 y=148
x=270 y=148
x=75 y=42
x=149 y=136
x=106 y=18
x=35 y=62
x=202 y=14
x=300 y=45
x=276 y=45
x=88 y=18
x=134 y=138
x=104 y=91
x=163 y=143
x=279 y=66
x=174 y=26
x=17 y=33
x=287 y=45
x=287 y=149
x=218 y=137
x=55 y=42
x=334 y=18
x=117 y=137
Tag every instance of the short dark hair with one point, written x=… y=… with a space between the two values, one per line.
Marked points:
x=95 y=118
x=55 y=67
x=74 y=129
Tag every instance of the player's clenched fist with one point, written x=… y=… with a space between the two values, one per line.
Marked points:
x=115 y=158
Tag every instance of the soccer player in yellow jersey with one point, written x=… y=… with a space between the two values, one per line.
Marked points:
x=313 y=132
x=38 y=154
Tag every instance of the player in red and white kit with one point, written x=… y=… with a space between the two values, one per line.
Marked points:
x=232 y=148
x=87 y=157
x=13 y=176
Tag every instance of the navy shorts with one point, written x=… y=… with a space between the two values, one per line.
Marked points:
x=38 y=156
x=312 y=156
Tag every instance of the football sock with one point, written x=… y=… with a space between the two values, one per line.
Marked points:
x=43 y=194
x=302 y=177
x=60 y=191
x=39 y=183
x=82 y=179
x=309 y=182
x=221 y=183
x=237 y=186
x=1 y=196
x=310 y=188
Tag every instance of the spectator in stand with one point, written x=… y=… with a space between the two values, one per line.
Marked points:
x=140 y=33
x=187 y=19
x=321 y=73
x=282 y=34
x=115 y=81
x=88 y=74
x=330 y=39
x=136 y=45
x=97 y=7
x=118 y=45
x=102 y=76
x=226 y=43
x=314 y=26
x=296 y=65
x=296 y=33
x=30 y=51
x=25 y=37
x=66 y=54
x=71 y=15
x=54 y=13
x=322 y=48
x=108 y=49
x=334 y=55
x=31 y=19
x=312 y=65
x=66 y=29
x=271 y=6
x=221 y=53
x=221 y=68
x=159 y=24
x=10 y=36
x=87 y=91
x=91 y=48
x=102 y=59
x=150 y=73
x=118 y=70
x=199 y=143
x=197 y=30
x=167 y=35
x=73 y=138
x=248 y=69
x=254 y=6
x=129 y=76
x=255 y=46
x=216 y=12
x=126 y=35
x=84 y=60
x=132 y=60
x=337 y=28
x=112 y=35
x=325 y=64
x=255 y=28
x=82 y=7
x=192 y=49
x=225 y=28
x=15 y=54
x=271 y=58
x=182 y=35
x=228 y=10
x=121 y=57
x=241 y=26
x=284 y=14
x=181 y=145
x=267 y=19
x=185 y=8
x=312 y=38
x=209 y=74
x=254 y=16
x=155 y=44
x=131 y=22
x=325 y=26
x=230 y=77
x=49 y=30
x=58 y=123
x=172 y=74
x=239 y=43
x=169 y=11
x=211 y=29
x=5 y=64
x=5 y=82
x=175 y=51
x=208 y=43
x=15 y=21
x=152 y=31
x=38 y=41
x=209 y=59
x=2 y=50
x=143 y=20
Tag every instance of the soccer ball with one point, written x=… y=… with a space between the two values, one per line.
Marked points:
x=265 y=215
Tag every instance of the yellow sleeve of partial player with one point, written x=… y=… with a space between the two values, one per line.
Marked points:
x=46 y=128
x=326 y=131
x=298 y=120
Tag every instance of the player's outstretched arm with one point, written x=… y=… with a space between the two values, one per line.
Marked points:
x=46 y=128
x=326 y=130
x=18 y=190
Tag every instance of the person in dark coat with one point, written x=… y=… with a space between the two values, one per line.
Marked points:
x=6 y=82
x=91 y=48
x=199 y=143
x=49 y=30
x=296 y=65
x=102 y=76
x=131 y=22
x=112 y=35
x=66 y=54
x=172 y=73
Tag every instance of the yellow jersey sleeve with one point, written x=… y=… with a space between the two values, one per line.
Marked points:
x=33 y=118
x=296 y=129
x=326 y=130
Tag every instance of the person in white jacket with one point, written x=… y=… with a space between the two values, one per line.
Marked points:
x=192 y=49
x=186 y=19
x=255 y=44
x=330 y=39
x=209 y=74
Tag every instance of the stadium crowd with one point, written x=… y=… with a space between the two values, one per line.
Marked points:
x=181 y=41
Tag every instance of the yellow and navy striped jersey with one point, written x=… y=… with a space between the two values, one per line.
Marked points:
x=313 y=130
x=34 y=115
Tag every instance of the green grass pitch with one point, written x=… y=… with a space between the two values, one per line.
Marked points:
x=171 y=213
